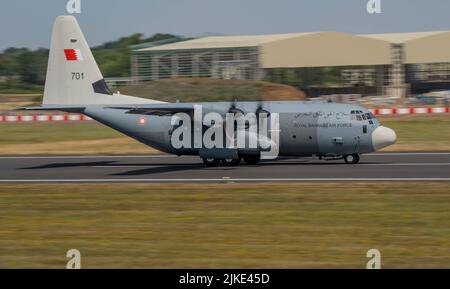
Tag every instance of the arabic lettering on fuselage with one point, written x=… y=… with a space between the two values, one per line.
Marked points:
x=326 y=115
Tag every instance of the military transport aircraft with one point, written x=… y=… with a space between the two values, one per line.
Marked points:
x=325 y=130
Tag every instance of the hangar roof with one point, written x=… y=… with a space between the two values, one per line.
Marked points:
x=321 y=49
x=325 y=49
x=400 y=38
x=211 y=42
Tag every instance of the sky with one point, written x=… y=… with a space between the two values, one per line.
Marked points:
x=25 y=23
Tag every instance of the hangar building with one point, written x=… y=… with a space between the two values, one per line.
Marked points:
x=318 y=62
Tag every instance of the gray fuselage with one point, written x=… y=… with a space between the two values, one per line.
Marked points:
x=306 y=128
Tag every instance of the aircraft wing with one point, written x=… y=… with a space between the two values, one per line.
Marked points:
x=157 y=109
x=148 y=109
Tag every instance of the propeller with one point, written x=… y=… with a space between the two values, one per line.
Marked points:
x=260 y=109
x=234 y=110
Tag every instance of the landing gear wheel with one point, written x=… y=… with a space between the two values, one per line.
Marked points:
x=231 y=162
x=351 y=159
x=210 y=162
x=252 y=160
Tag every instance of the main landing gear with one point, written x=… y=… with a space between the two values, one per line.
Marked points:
x=210 y=162
x=231 y=162
x=252 y=159
x=351 y=159
x=249 y=160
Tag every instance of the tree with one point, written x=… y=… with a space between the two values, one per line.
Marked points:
x=112 y=57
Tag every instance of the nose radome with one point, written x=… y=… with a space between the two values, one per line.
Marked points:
x=382 y=137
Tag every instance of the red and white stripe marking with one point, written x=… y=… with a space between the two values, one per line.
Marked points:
x=43 y=118
x=409 y=110
x=80 y=117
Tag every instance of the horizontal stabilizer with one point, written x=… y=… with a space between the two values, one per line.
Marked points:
x=67 y=108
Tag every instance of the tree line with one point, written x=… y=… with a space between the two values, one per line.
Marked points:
x=24 y=68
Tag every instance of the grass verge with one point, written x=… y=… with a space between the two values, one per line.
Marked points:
x=291 y=225
x=68 y=138
x=419 y=133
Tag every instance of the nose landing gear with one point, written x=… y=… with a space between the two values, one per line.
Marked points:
x=351 y=159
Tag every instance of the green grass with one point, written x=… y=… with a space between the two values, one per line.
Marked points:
x=206 y=89
x=49 y=132
x=69 y=138
x=171 y=90
x=297 y=225
x=188 y=90
x=420 y=133
x=17 y=88
x=426 y=133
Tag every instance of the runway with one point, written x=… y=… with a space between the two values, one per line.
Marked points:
x=166 y=168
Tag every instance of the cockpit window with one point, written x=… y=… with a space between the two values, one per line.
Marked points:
x=361 y=116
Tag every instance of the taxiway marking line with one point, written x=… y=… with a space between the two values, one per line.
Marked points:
x=221 y=180
x=130 y=166
x=407 y=154
x=174 y=156
x=309 y=164
x=88 y=157
x=407 y=164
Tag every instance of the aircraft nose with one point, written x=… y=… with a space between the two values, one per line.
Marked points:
x=382 y=137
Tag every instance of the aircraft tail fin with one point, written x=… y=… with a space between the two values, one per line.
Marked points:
x=73 y=76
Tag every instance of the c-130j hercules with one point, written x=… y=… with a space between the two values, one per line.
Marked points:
x=74 y=83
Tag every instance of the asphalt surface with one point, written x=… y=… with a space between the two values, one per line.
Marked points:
x=165 y=168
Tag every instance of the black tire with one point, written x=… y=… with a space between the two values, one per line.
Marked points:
x=252 y=159
x=231 y=162
x=210 y=162
x=351 y=159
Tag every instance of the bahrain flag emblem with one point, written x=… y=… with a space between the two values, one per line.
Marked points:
x=73 y=54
